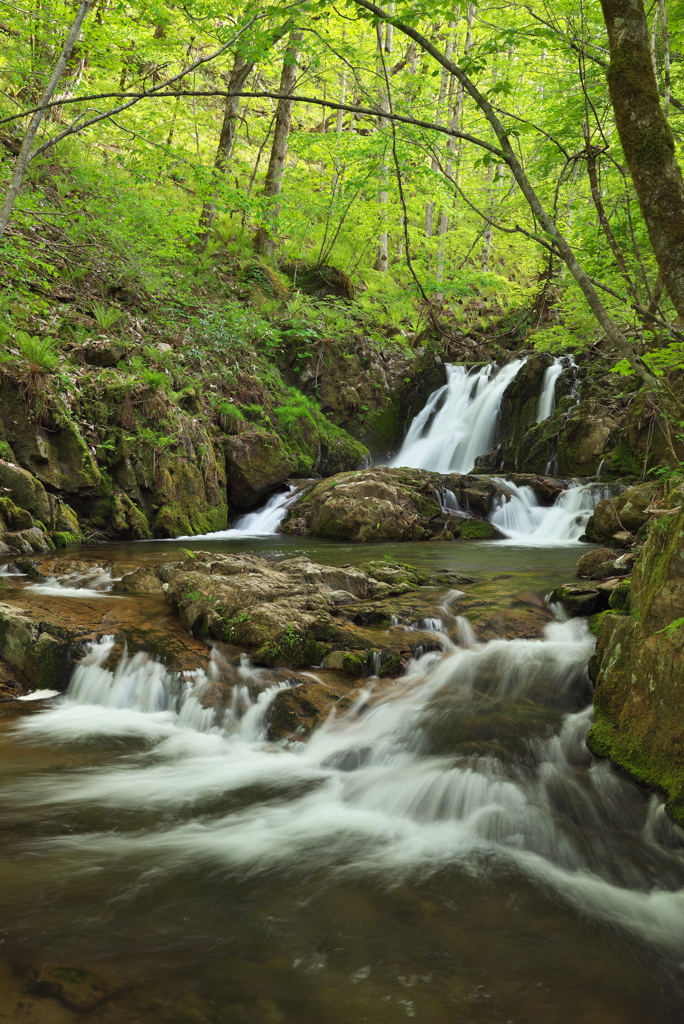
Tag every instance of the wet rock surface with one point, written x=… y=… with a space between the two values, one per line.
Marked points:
x=292 y=613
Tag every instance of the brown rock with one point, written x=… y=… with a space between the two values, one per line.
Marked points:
x=594 y=561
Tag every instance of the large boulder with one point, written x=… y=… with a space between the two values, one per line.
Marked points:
x=256 y=463
x=40 y=654
x=621 y=516
x=400 y=504
x=597 y=564
x=26 y=491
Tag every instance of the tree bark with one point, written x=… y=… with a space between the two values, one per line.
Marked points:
x=34 y=124
x=385 y=37
x=239 y=74
x=647 y=140
x=273 y=185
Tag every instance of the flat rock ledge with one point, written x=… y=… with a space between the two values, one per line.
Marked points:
x=295 y=612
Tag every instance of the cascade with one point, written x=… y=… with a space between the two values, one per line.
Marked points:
x=547 y=397
x=262 y=523
x=458 y=422
x=518 y=514
x=96 y=582
x=415 y=781
x=141 y=696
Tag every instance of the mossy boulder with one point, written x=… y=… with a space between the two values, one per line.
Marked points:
x=597 y=564
x=293 y=613
x=19 y=533
x=26 y=491
x=639 y=665
x=621 y=517
x=321 y=281
x=40 y=653
x=397 y=504
x=52 y=449
x=256 y=464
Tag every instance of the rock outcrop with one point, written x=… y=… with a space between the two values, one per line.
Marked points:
x=398 y=504
x=295 y=612
x=622 y=519
x=639 y=664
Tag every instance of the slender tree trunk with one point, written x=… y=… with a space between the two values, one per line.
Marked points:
x=488 y=230
x=339 y=122
x=445 y=78
x=647 y=141
x=238 y=76
x=385 y=35
x=452 y=152
x=34 y=124
x=273 y=185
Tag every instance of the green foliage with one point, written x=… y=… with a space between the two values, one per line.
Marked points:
x=672 y=627
x=554 y=339
x=106 y=316
x=39 y=353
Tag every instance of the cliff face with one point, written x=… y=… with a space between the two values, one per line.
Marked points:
x=639 y=666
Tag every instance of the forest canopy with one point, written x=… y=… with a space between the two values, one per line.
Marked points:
x=521 y=153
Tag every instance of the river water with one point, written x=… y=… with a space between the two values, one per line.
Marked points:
x=446 y=850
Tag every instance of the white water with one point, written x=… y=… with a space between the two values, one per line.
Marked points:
x=547 y=398
x=523 y=520
x=458 y=422
x=381 y=789
x=96 y=582
x=262 y=523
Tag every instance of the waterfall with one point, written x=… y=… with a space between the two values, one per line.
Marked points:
x=518 y=514
x=262 y=523
x=547 y=398
x=458 y=422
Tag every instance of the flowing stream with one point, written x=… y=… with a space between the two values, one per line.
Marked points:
x=443 y=848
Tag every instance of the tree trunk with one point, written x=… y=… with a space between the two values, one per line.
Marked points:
x=34 y=124
x=385 y=35
x=646 y=139
x=238 y=76
x=273 y=185
x=445 y=79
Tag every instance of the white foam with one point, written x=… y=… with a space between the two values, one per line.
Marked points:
x=458 y=422
x=262 y=523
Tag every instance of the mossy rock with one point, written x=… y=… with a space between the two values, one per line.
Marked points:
x=478 y=529
x=14 y=518
x=62 y=539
